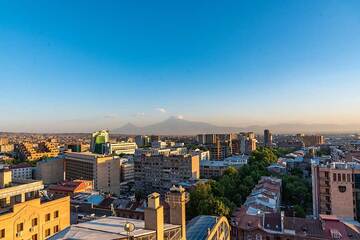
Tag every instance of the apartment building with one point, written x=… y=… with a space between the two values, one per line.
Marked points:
x=33 y=152
x=311 y=140
x=159 y=172
x=219 y=150
x=336 y=189
x=22 y=171
x=103 y=170
x=26 y=215
x=121 y=148
x=248 y=142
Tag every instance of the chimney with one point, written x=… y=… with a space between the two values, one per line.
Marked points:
x=154 y=216
x=5 y=177
x=177 y=199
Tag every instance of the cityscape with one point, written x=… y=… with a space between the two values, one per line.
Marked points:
x=169 y=120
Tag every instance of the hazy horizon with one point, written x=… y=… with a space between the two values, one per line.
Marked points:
x=79 y=66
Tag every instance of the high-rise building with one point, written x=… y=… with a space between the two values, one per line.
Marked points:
x=219 y=150
x=103 y=170
x=311 y=140
x=99 y=140
x=140 y=141
x=24 y=214
x=210 y=138
x=336 y=190
x=159 y=172
x=268 y=138
x=247 y=142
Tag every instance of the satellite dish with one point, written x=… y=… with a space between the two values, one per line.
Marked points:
x=129 y=227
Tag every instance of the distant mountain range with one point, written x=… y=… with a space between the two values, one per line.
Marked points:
x=176 y=126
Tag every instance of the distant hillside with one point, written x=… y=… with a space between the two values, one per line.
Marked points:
x=175 y=126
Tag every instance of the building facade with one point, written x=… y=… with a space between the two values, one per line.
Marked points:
x=159 y=172
x=268 y=139
x=336 y=190
x=50 y=170
x=103 y=170
x=32 y=152
x=24 y=214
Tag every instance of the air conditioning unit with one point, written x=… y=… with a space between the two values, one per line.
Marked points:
x=19 y=234
x=31 y=229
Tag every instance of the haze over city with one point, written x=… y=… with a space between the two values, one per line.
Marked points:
x=79 y=66
x=180 y=120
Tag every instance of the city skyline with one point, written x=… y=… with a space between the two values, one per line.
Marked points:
x=81 y=66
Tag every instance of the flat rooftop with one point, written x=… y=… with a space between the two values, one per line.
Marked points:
x=107 y=228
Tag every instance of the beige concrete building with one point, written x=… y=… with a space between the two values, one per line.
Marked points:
x=24 y=215
x=159 y=172
x=103 y=170
x=50 y=170
x=336 y=190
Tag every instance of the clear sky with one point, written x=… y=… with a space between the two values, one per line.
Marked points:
x=82 y=65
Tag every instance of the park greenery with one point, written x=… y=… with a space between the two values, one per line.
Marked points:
x=221 y=196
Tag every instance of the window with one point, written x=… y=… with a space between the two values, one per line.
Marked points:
x=348 y=178
x=47 y=232
x=20 y=227
x=56 y=228
x=342 y=189
x=34 y=222
x=343 y=177
x=334 y=177
x=47 y=217
x=34 y=237
x=339 y=177
x=2 y=233
x=56 y=214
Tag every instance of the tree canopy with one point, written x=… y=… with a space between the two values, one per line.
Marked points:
x=220 y=197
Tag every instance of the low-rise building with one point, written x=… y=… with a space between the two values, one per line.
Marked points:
x=265 y=196
x=211 y=168
x=70 y=188
x=22 y=171
x=272 y=226
x=122 y=148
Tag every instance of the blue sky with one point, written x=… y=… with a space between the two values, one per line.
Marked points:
x=82 y=65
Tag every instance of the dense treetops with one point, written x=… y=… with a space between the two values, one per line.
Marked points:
x=221 y=196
